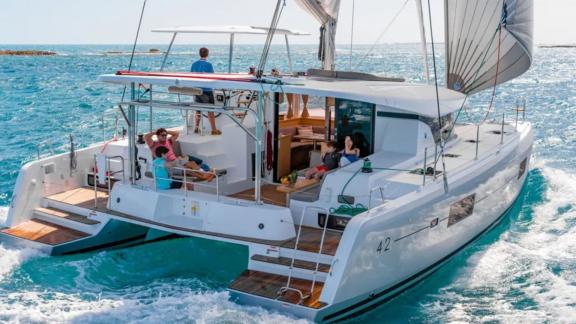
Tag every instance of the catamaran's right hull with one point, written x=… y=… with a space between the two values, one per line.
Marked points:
x=393 y=248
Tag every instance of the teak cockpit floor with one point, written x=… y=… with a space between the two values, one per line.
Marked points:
x=44 y=232
x=267 y=285
x=269 y=195
x=309 y=238
x=82 y=197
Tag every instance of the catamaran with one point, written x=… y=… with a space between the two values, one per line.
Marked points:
x=325 y=249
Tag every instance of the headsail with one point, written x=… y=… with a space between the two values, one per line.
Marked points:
x=472 y=41
x=326 y=12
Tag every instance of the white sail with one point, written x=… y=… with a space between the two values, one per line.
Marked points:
x=326 y=12
x=476 y=52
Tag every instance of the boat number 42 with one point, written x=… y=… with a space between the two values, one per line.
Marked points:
x=384 y=246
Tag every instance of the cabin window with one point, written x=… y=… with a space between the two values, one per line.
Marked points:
x=522 y=168
x=355 y=119
x=447 y=122
x=461 y=209
x=303 y=124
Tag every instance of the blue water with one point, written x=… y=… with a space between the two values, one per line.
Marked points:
x=523 y=271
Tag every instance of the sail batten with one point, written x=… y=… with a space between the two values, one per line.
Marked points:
x=473 y=41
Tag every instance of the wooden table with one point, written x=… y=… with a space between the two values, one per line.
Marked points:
x=314 y=138
x=299 y=185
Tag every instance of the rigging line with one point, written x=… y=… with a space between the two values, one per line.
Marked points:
x=352 y=34
x=495 y=76
x=134 y=46
x=444 y=177
x=381 y=35
x=271 y=32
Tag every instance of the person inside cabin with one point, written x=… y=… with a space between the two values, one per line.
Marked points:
x=162 y=167
x=350 y=153
x=207 y=97
x=190 y=162
x=330 y=161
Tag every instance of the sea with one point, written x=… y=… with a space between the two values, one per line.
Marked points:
x=523 y=271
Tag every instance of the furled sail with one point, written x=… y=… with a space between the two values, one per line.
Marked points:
x=326 y=12
x=478 y=54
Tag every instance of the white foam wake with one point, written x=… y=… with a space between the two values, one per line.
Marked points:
x=175 y=304
x=11 y=258
x=3 y=215
x=528 y=275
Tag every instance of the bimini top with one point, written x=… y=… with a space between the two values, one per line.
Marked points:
x=247 y=30
x=400 y=97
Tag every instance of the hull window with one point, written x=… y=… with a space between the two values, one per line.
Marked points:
x=522 y=168
x=461 y=209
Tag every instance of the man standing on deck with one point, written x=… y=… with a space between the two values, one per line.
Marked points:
x=203 y=66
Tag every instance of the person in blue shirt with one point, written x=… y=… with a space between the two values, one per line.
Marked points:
x=203 y=66
x=162 y=171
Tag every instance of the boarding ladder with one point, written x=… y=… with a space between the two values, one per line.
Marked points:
x=287 y=288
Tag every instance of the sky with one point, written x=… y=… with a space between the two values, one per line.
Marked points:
x=115 y=21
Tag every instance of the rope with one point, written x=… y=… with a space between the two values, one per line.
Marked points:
x=275 y=19
x=352 y=34
x=496 y=76
x=381 y=35
x=348 y=210
x=444 y=177
x=134 y=45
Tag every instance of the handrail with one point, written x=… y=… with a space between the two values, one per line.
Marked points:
x=46 y=143
x=286 y=288
x=370 y=198
x=185 y=181
x=321 y=246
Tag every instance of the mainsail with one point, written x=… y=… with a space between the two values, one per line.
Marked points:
x=478 y=54
x=326 y=12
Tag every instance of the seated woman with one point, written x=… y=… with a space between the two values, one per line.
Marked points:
x=330 y=160
x=162 y=174
x=350 y=153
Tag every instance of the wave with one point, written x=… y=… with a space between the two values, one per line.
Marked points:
x=154 y=303
x=528 y=275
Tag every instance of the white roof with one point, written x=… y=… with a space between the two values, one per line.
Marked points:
x=253 y=30
x=418 y=99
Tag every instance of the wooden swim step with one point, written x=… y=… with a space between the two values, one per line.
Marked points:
x=284 y=261
x=50 y=212
x=268 y=285
x=44 y=232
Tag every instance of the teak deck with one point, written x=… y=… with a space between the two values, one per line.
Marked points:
x=44 y=232
x=297 y=263
x=67 y=215
x=268 y=284
x=82 y=197
x=270 y=195
x=309 y=238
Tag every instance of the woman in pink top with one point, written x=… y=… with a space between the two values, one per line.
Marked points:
x=163 y=140
x=168 y=143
